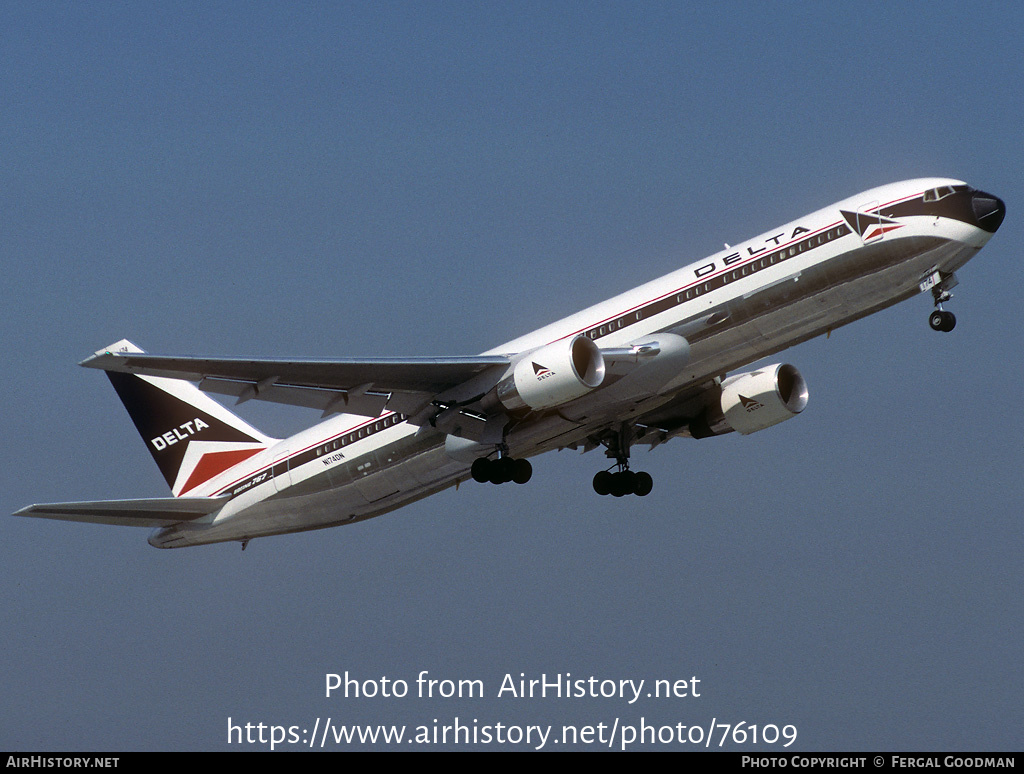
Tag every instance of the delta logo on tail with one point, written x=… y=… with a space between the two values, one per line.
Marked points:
x=198 y=446
x=210 y=459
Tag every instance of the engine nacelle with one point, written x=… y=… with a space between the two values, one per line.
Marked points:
x=753 y=401
x=552 y=375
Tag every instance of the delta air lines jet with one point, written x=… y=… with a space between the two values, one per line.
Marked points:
x=644 y=367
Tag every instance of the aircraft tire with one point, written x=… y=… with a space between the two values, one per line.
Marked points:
x=620 y=487
x=643 y=484
x=603 y=482
x=480 y=470
x=942 y=321
x=522 y=471
x=500 y=471
x=623 y=483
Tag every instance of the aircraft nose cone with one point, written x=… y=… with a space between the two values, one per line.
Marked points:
x=989 y=210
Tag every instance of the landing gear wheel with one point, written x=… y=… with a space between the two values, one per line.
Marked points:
x=627 y=482
x=623 y=483
x=619 y=486
x=940 y=320
x=501 y=471
x=522 y=471
x=481 y=470
x=643 y=484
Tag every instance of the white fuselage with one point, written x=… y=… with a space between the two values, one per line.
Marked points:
x=744 y=303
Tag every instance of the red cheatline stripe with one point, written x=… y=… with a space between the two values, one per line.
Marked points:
x=882 y=230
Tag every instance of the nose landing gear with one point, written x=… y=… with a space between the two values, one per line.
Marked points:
x=941 y=320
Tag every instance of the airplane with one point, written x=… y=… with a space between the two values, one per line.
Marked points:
x=654 y=363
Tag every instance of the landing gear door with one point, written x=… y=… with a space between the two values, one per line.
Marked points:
x=869 y=223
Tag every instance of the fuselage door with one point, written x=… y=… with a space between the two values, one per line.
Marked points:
x=868 y=222
x=281 y=472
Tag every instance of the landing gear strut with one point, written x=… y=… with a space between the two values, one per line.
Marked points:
x=623 y=481
x=501 y=470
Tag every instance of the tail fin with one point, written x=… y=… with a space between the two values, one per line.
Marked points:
x=192 y=437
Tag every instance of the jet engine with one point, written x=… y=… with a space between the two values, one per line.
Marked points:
x=552 y=375
x=753 y=401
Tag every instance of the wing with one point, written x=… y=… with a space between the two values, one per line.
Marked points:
x=364 y=387
x=154 y=512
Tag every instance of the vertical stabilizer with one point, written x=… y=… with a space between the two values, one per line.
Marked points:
x=192 y=437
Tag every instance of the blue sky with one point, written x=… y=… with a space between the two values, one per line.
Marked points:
x=411 y=179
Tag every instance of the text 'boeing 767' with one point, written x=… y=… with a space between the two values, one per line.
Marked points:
x=641 y=368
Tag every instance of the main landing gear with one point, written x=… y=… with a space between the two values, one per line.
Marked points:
x=623 y=481
x=501 y=470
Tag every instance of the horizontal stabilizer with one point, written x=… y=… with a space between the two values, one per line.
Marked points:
x=153 y=512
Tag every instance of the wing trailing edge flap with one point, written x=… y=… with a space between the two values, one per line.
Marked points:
x=673 y=419
x=152 y=512
x=363 y=387
x=365 y=403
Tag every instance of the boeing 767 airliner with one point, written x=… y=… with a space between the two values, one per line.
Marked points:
x=643 y=367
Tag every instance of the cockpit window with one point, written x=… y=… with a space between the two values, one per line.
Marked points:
x=941 y=192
